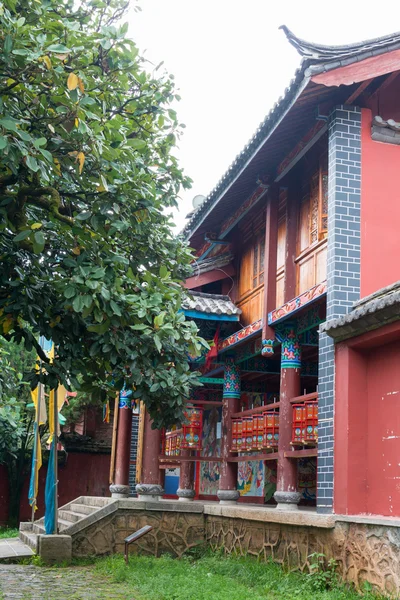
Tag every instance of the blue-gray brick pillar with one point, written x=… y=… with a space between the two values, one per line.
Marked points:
x=343 y=273
x=133 y=456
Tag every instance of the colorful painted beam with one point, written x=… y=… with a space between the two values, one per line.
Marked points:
x=197 y=314
x=240 y=336
x=293 y=306
x=212 y=380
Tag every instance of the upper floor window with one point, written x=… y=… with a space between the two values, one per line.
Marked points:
x=258 y=262
x=314 y=210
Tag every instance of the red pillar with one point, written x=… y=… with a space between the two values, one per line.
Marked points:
x=149 y=488
x=286 y=494
x=271 y=241
x=186 y=491
x=120 y=487
x=227 y=492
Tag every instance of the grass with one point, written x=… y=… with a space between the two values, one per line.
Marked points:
x=217 y=577
x=8 y=532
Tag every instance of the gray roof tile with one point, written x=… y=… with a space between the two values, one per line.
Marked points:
x=211 y=303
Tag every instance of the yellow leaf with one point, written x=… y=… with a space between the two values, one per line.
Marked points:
x=36 y=225
x=57 y=166
x=81 y=159
x=47 y=62
x=76 y=122
x=72 y=81
x=76 y=250
x=7 y=324
x=50 y=126
x=81 y=86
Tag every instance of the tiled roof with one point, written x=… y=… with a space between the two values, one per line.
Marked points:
x=209 y=264
x=211 y=304
x=315 y=59
x=385 y=131
x=372 y=312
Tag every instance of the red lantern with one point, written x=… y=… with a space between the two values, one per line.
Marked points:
x=192 y=429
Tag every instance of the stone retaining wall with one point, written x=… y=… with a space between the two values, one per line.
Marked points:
x=365 y=549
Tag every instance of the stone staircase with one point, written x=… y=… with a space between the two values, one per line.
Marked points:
x=72 y=518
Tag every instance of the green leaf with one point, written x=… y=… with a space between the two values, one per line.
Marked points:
x=3 y=142
x=136 y=143
x=31 y=162
x=84 y=215
x=7 y=44
x=163 y=271
x=157 y=343
x=115 y=308
x=38 y=242
x=77 y=303
x=101 y=328
x=60 y=48
x=40 y=142
x=69 y=291
x=9 y=123
x=22 y=235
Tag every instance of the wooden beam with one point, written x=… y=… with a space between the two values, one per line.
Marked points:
x=255 y=411
x=265 y=456
x=304 y=398
x=389 y=79
x=179 y=459
x=307 y=453
x=359 y=90
x=209 y=277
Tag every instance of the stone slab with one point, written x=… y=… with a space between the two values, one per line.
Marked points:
x=14 y=548
x=264 y=514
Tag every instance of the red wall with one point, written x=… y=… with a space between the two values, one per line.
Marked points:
x=367 y=424
x=380 y=210
x=82 y=475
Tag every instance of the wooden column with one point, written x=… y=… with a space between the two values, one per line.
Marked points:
x=120 y=487
x=271 y=240
x=292 y=216
x=186 y=491
x=227 y=492
x=286 y=494
x=149 y=486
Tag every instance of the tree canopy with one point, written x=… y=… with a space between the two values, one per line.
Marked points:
x=87 y=173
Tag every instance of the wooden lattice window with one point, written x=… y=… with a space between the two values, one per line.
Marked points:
x=258 y=262
x=318 y=226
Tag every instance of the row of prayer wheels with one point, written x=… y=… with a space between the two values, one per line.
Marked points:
x=187 y=438
x=305 y=423
x=256 y=432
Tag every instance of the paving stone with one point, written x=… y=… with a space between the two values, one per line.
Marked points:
x=26 y=582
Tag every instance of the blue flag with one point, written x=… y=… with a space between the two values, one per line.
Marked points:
x=49 y=515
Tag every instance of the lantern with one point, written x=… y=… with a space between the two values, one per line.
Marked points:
x=271 y=429
x=191 y=430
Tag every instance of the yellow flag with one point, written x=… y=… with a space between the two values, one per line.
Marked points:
x=61 y=395
x=40 y=405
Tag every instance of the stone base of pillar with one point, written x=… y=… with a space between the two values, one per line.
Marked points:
x=287 y=500
x=228 y=496
x=149 y=491
x=119 y=491
x=185 y=495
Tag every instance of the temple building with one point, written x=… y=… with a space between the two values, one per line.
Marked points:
x=296 y=279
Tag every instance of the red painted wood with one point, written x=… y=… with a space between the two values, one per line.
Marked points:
x=373 y=66
x=151 y=450
x=255 y=411
x=4 y=495
x=123 y=449
x=186 y=473
x=228 y=470
x=265 y=456
x=214 y=275
x=367 y=424
x=287 y=469
x=308 y=452
x=292 y=215
x=271 y=241
x=304 y=398
x=379 y=188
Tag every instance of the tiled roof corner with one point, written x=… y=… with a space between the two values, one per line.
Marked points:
x=210 y=304
x=377 y=310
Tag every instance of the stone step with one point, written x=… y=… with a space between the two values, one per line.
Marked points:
x=69 y=515
x=29 y=538
x=95 y=501
x=83 y=509
x=38 y=527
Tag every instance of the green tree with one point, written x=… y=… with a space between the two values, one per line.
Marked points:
x=16 y=420
x=87 y=175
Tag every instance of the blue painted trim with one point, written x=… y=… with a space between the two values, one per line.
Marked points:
x=196 y=314
x=225 y=233
x=289 y=315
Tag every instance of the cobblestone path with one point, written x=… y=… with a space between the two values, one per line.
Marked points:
x=37 y=583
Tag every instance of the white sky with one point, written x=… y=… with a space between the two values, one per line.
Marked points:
x=232 y=63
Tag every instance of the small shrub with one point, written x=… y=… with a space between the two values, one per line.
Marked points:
x=323 y=573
